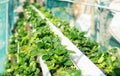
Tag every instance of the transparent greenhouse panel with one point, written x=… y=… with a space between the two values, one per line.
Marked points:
x=104 y=20
x=3 y=32
x=10 y=16
x=60 y=9
x=94 y=20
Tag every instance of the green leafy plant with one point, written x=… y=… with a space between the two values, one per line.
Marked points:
x=26 y=45
x=106 y=60
x=19 y=61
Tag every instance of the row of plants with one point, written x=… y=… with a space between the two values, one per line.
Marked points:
x=19 y=60
x=106 y=60
x=31 y=38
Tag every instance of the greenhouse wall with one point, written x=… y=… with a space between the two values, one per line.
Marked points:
x=3 y=32
x=55 y=3
x=61 y=9
x=10 y=16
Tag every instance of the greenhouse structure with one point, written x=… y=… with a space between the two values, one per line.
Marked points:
x=59 y=38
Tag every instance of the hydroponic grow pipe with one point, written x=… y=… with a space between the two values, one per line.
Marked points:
x=91 y=4
x=80 y=60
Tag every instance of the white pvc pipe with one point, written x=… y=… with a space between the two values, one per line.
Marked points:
x=81 y=61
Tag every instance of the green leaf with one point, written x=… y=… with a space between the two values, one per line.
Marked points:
x=68 y=63
x=101 y=59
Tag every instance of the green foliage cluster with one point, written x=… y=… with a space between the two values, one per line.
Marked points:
x=106 y=60
x=31 y=38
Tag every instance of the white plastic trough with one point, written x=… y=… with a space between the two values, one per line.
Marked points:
x=44 y=67
x=87 y=67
